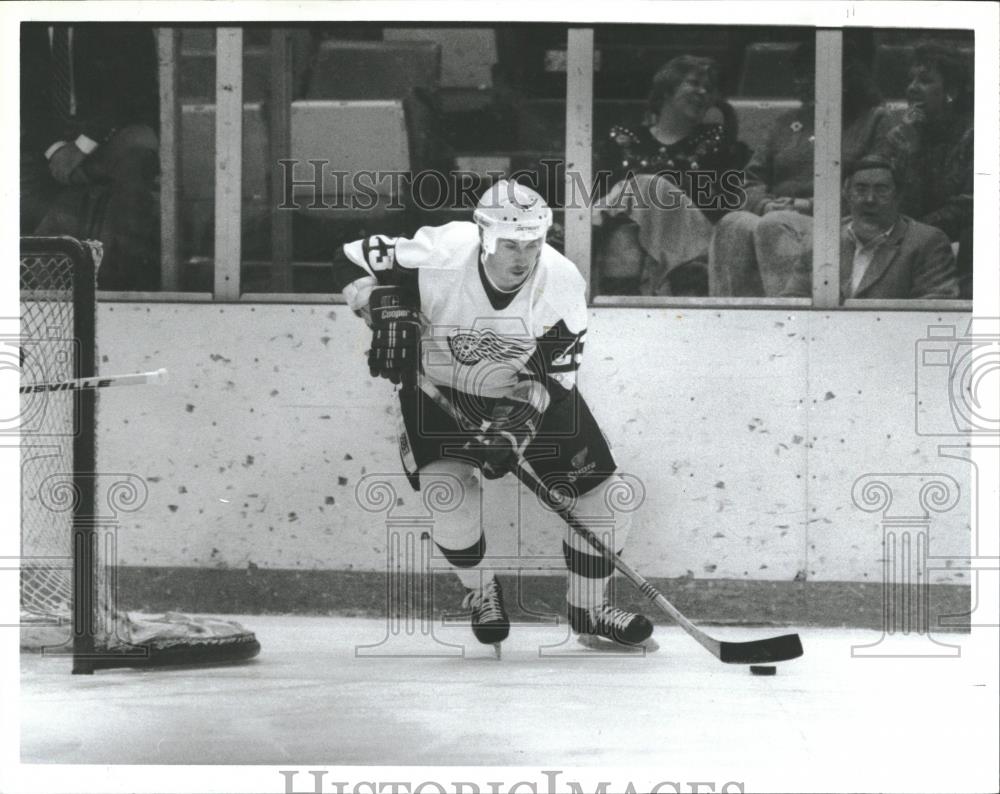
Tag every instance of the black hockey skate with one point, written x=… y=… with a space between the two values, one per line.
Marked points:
x=605 y=626
x=490 y=623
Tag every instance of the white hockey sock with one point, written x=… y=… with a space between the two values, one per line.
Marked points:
x=589 y=574
x=584 y=592
x=457 y=531
x=472 y=578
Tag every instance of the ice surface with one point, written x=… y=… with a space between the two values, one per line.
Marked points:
x=826 y=722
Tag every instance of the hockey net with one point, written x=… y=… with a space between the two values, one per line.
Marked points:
x=68 y=592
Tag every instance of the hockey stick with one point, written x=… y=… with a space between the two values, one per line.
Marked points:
x=98 y=382
x=772 y=649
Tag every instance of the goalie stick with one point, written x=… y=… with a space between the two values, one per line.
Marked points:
x=97 y=382
x=772 y=649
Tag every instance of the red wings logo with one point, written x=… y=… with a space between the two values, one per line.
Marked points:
x=471 y=347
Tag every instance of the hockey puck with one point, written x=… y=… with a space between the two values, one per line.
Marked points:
x=763 y=669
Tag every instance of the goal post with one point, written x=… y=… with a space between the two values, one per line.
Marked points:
x=58 y=444
x=68 y=593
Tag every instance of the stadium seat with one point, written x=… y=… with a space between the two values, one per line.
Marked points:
x=195 y=40
x=757 y=116
x=198 y=174
x=351 y=136
x=362 y=136
x=892 y=62
x=767 y=70
x=198 y=151
x=374 y=69
x=467 y=53
x=197 y=76
x=197 y=66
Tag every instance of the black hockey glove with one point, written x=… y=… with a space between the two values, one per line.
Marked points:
x=395 y=323
x=512 y=428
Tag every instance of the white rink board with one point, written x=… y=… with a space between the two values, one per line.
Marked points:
x=748 y=429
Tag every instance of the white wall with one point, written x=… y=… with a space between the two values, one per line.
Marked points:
x=747 y=429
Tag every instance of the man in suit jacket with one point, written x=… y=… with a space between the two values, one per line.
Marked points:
x=884 y=254
x=89 y=149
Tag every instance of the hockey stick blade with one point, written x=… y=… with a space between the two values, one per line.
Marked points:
x=773 y=649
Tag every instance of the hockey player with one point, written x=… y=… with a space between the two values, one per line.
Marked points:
x=497 y=318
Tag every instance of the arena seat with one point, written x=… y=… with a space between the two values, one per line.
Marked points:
x=197 y=168
x=196 y=71
x=197 y=76
x=891 y=67
x=406 y=71
x=757 y=116
x=467 y=53
x=767 y=70
x=201 y=39
x=374 y=69
x=351 y=136
x=357 y=136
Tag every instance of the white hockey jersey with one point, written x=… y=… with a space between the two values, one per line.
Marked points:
x=477 y=339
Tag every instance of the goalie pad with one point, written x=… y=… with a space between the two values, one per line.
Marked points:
x=149 y=640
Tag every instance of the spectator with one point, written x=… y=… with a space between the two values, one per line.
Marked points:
x=884 y=254
x=756 y=251
x=89 y=150
x=932 y=147
x=671 y=181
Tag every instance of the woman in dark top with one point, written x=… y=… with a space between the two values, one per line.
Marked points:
x=671 y=181
x=932 y=148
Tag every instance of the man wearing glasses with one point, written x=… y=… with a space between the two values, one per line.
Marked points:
x=886 y=255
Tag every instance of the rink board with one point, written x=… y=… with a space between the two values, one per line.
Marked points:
x=747 y=429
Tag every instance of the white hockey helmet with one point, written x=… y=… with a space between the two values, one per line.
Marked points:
x=511 y=211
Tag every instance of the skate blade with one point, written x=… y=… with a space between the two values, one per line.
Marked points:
x=595 y=643
x=497 y=651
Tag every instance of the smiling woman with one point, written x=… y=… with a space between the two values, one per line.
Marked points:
x=932 y=147
x=671 y=179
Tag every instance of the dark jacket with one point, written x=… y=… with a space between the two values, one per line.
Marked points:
x=115 y=77
x=936 y=170
x=915 y=262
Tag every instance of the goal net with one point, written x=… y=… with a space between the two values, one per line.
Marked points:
x=68 y=592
